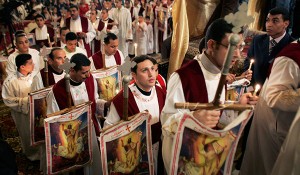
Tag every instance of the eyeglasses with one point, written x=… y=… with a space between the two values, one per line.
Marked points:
x=239 y=47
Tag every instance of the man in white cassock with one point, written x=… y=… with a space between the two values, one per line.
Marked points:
x=44 y=34
x=22 y=47
x=206 y=72
x=113 y=56
x=122 y=17
x=150 y=43
x=144 y=94
x=134 y=12
x=82 y=27
x=83 y=88
x=102 y=27
x=56 y=58
x=71 y=47
x=15 y=91
x=278 y=103
x=141 y=36
x=108 y=4
x=63 y=32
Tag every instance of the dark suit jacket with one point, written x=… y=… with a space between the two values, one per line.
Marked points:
x=259 y=50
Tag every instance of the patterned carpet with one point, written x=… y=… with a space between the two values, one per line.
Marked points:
x=11 y=136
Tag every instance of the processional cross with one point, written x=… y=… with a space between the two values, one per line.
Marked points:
x=44 y=53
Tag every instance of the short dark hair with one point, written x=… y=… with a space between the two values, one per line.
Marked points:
x=110 y=36
x=80 y=60
x=96 y=11
x=202 y=44
x=73 y=6
x=280 y=11
x=22 y=59
x=105 y=9
x=140 y=59
x=71 y=36
x=147 y=17
x=51 y=54
x=19 y=33
x=217 y=30
x=63 y=28
x=39 y=16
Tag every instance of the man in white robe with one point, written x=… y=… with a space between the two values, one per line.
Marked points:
x=141 y=36
x=143 y=95
x=71 y=47
x=149 y=36
x=82 y=27
x=63 y=32
x=109 y=6
x=15 y=91
x=122 y=17
x=274 y=113
x=56 y=58
x=206 y=72
x=113 y=56
x=22 y=47
x=83 y=88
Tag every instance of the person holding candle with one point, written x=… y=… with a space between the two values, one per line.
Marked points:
x=205 y=71
x=44 y=34
x=274 y=113
x=261 y=49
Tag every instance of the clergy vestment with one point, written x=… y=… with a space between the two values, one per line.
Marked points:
x=138 y=102
x=41 y=35
x=150 y=43
x=40 y=79
x=82 y=24
x=80 y=93
x=111 y=60
x=11 y=67
x=77 y=50
x=100 y=27
x=15 y=95
x=278 y=103
x=201 y=88
x=141 y=38
x=122 y=16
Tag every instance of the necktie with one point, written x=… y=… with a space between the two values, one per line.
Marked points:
x=272 y=44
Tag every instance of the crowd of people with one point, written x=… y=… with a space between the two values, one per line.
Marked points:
x=95 y=36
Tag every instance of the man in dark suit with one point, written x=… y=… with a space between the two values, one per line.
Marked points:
x=264 y=48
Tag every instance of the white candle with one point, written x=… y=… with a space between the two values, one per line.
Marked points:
x=135 y=49
x=251 y=62
x=257 y=87
x=48 y=39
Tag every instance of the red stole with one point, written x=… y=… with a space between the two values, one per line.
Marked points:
x=133 y=109
x=50 y=76
x=85 y=26
x=162 y=82
x=98 y=62
x=59 y=90
x=291 y=51
x=97 y=43
x=45 y=42
x=193 y=82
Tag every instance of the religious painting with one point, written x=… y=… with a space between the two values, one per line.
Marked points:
x=210 y=151
x=109 y=82
x=3 y=74
x=126 y=147
x=31 y=39
x=38 y=111
x=68 y=140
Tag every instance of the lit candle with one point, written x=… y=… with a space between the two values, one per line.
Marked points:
x=257 y=87
x=135 y=49
x=48 y=39
x=251 y=62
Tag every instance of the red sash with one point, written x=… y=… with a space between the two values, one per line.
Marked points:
x=291 y=51
x=97 y=43
x=50 y=76
x=45 y=41
x=59 y=90
x=98 y=62
x=193 y=82
x=133 y=109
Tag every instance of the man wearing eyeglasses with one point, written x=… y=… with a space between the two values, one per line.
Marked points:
x=56 y=58
x=197 y=82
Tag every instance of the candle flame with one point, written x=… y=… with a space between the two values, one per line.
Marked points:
x=257 y=87
x=252 y=60
x=135 y=44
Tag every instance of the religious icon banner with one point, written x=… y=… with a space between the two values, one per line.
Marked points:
x=208 y=151
x=126 y=147
x=68 y=140
x=109 y=82
x=38 y=111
